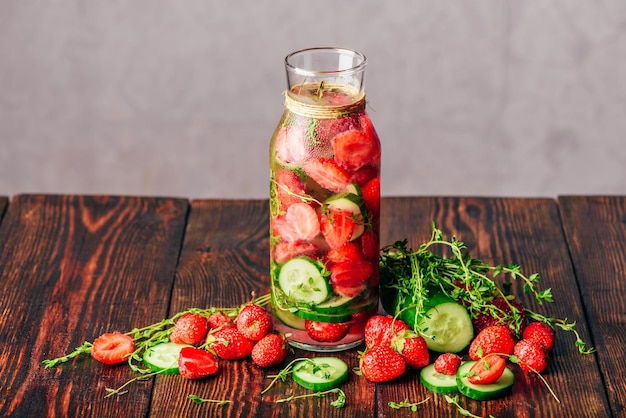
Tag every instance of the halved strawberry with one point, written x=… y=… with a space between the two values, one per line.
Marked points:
x=284 y=251
x=337 y=227
x=112 y=348
x=291 y=145
x=487 y=370
x=196 y=363
x=303 y=221
x=327 y=173
x=350 y=273
x=354 y=149
x=289 y=188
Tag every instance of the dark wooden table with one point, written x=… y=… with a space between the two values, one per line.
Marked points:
x=73 y=267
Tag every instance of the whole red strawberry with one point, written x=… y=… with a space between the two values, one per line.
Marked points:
x=196 y=363
x=381 y=363
x=531 y=355
x=380 y=329
x=501 y=313
x=541 y=332
x=254 y=322
x=230 y=344
x=447 y=363
x=270 y=350
x=413 y=348
x=220 y=319
x=493 y=339
x=326 y=331
x=189 y=329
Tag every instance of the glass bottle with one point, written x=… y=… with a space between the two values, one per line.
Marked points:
x=324 y=203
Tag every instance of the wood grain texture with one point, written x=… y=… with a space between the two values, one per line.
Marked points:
x=500 y=231
x=595 y=228
x=224 y=260
x=72 y=268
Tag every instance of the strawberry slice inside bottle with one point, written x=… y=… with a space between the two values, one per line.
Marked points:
x=350 y=273
x=327 y=173
x=354 y=149
x=303 y=221
x=337 y=227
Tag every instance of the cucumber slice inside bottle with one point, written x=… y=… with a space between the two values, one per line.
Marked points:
x=302 y=280
x=321 y=317
x=438 y=382
x=163 y=357
x=354 y=188
x=286 y=317
x=483 y=392
x=336 y=304
x=320 y=373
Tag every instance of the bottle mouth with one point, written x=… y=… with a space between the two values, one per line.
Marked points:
x=325 y=61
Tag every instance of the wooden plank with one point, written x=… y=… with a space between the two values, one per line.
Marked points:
x=224 y=260
x=4 y=201
x=72 y=268
x=500 y=231
x=595 y=228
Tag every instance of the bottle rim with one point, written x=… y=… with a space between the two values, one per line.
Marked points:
x=359 y=58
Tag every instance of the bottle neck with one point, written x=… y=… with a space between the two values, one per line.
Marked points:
x=324 y=101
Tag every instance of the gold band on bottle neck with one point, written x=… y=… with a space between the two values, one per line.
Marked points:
x=314 y=111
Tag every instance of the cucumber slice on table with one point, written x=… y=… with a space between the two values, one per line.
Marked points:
x=302 y=280
x=438 y=382
x=483 y=392
x=447 y=326
x=320 y=373
x=163 y=357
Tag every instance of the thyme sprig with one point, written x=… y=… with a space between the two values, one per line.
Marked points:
x=455 y=401
x=288 y=369
x=198 y=400
x=406 y=404
x=151 y=335
x=340 y=402
x=409 y=277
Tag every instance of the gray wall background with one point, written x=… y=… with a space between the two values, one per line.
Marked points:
x=180 y=98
